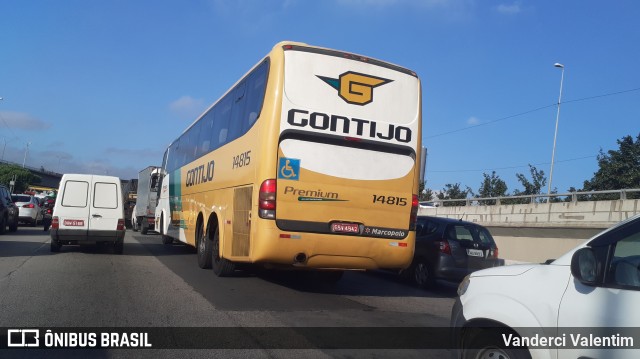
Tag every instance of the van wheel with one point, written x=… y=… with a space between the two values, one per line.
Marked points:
x=221 y=266
x=118 y=247
x=422 y=273
x=55 y=246
x=203 y=246
x=488 y=343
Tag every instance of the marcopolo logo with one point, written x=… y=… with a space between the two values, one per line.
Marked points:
x=355 y=88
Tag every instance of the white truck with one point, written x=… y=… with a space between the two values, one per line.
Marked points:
x=146 y=199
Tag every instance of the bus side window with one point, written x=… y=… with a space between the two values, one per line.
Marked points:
x=239 y=99
x=222 y=114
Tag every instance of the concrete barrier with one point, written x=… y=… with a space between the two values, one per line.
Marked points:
x=536 y=232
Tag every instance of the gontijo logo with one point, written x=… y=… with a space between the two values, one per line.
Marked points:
x=355 y=88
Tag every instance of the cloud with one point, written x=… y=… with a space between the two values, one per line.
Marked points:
x=473 y=121
x=187 y=106
x=509 y=9
x=22 y=121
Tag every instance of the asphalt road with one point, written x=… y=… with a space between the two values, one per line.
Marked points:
x=153 y=285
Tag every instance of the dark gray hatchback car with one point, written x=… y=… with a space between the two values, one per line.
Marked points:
x=8 y=211
x=449 y=249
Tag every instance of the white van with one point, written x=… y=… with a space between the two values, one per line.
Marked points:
x=88 y=209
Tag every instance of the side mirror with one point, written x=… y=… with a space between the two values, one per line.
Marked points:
x=584 y=266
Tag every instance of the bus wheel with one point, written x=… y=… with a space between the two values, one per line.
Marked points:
x=203 y=246
x=165 y=239
x=221 y=266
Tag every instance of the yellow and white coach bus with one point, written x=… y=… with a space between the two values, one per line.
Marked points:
x=309 y=161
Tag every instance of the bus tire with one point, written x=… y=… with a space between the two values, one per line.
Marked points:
x=221 y=266
x=203 y=247
x=165 y=239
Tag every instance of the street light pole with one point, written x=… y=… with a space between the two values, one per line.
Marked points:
x=25 y=154
x=555 y=135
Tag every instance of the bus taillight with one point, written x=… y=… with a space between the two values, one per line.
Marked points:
x=267 y=205
x=414 y=213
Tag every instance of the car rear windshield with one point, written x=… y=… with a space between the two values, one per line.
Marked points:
x=19 y=198
x=470 y=233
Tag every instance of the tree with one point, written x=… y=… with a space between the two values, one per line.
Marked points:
x=424 y=194
x=23 y=177
x=453 y=191
x=618 y=169
x=491 y=186
x=533 y=186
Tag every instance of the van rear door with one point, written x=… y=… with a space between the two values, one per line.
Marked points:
x=106 y=209
x=73 y=208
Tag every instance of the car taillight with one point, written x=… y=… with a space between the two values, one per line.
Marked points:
x=55 y=223
x=120 y=226
x=415 y=204
x=444 y=247
x=49 y=210
x=267 y=198
x=30 y=205
x=495 y=253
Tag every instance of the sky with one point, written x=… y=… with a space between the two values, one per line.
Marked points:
x=104 y=86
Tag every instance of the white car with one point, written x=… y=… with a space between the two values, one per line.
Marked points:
x=582 y=305
x=29 y=210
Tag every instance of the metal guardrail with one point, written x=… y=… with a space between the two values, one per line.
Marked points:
x=537 y=198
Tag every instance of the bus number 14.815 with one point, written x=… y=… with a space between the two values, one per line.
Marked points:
x=390 y=200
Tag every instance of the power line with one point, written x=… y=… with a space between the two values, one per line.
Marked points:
x=531 y=111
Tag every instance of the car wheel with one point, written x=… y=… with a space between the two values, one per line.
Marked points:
x=3 y=225
x=46 y=227
x=488 y=344
x=203 y=246
x=13 y=227
x=221 y=266
x=423 y=275
x=34 y=222
x=55 y=246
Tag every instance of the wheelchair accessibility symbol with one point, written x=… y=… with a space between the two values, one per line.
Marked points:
x=289 y=168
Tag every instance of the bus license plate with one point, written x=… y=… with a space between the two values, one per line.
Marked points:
x=345 y=228
x=475 y=252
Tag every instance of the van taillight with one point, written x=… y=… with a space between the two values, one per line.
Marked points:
x=55 y=223
x=267 y=198
x=444 y=247
x=120 y=226
x=414 y=212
